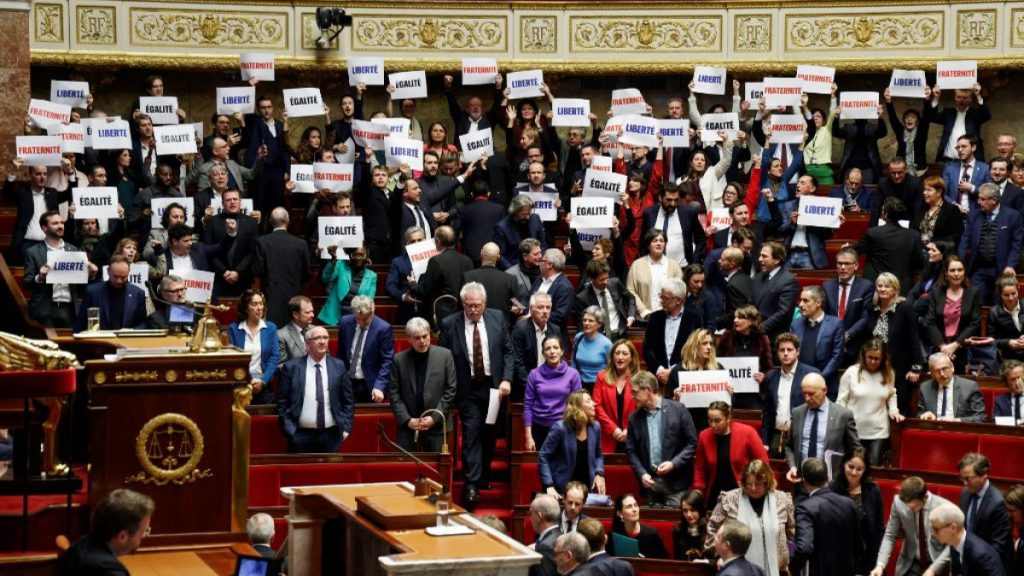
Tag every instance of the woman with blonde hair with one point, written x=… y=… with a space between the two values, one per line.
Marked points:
x=613 y=400
x=572 y=449
x=698 y=354
x=868 y=389
x=892 y=320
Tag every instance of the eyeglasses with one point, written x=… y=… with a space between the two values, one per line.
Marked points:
x=844 y=264
x=175 y=290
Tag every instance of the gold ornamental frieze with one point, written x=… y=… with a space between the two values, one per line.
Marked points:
x=123 y=376
x=49 y=23
x=96 y=25
x=976 y=29
x=456 y=32
x=208 y=29
x=169 y=448
x=194 y=375
x=645 y=34
x=884 y=32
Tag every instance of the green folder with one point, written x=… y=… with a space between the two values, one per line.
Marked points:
x=625 y=546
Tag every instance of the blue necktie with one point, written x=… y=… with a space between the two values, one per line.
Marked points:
x=972 y=512
x=321 y=416
x=812 y=444
x=945 y=390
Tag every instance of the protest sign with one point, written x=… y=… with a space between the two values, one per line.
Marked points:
x=524 y=84
x=782 y=92
x=858 y=105
x=45 y=113
x=787 y=129
x=816 y=79
x=408 y=84
x=258 y=65
x=342 y=231
x=67 y=267
x=907 y=84
x=640 y=131
x=98 y=202
x=674 y=133
x=598 y=184
x=161 y=109
x=712 y=123
x=333 y=177
x=543 y=205
x=592 y=212
x=398 y=151
x=419 y=254
x=570 y=112
x=401 y=127
x=819 y=211
x=73 y=94
x=741 y=372
x=709 y=80
x=956 y=74
x=752 y=93
x=38 y=150
x=477 y=144
x=302 y=175
x=368 y=70
x=159 y=206
x=477 y=71
x=700 y=388
x=198 y=285
x=175 y=139
x=369 y=134
x=628 y=101
x=303 y=102
x=236 y=99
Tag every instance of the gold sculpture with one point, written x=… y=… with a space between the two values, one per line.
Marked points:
x=207 y=333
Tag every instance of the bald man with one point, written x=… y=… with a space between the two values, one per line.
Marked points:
x=819 y=428
x=501 y=288
x=281 y=262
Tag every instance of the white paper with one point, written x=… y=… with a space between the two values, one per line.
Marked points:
x=741 y=372
x=782 y=92
x=1004 y=421
x=67 y=267
x=38 y=150
x=98 y=202
x=303 y=102
x=419 y=254
x=368 y=70
x=400 y=151
x=401 y=127
x=907 y=84
x=570 y=112
x=589 y=236
x=162 y=109
x=640 y=131
x=231 y=99
x=597 y=184
x=159 y=205
x=787 y=129
x=628 y=101
x=956 y=74
x=858 y=105
x=408 y=84
x=69 y=92
x=72 y=138
x=258 y=65
x=369 y=134
x=601 y=163
x=197 y=129
x=333 y=177
x=477 y=144
x=525 y=84
x=820 y=211
x=699 y=389
x=198 y=285
x=343 y=231
x=302 y=175
x=709 y=80
x=674 y=133
x=478 y=71
x=816 y=79
x=720 y=218
x=712 y=123
x=176 y=139
x=752 y=92
x=493 y=404
x=45 y=113
x=138 y=274
x=592 y=212
x=543 y=205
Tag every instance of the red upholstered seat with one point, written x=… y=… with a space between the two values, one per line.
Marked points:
x=264 y=486
x=619 y=479
x=948 y=491
x=265 y=436
x=1004 y=454
x=934 y=451
x=889 y=489
x=664 y=529
x=280 y=532
x=529 y=483
x=392 y=472
x=989 y=396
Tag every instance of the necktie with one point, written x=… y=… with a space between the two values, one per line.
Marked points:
x=607 y=314
x=812 y=444
x=923 y=558
x=149 y=158
x=945 y=390
x=321 y=416
x=842 y=301
x=420 y=220
x=1016 y=408
x=965 y=176
x=664 y=224
x=478 y=352
x=972 y=510
x=785 y=157
x=357 y=354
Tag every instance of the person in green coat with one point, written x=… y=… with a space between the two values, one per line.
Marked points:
x=345 y=280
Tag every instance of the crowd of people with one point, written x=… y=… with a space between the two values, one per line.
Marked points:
x=836 y=363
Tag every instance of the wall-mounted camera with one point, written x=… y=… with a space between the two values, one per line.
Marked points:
x=330 y=21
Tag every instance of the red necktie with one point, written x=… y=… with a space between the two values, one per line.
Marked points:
x=842 y=301
x=478 y=353
x=785 y=156
x=922 y=543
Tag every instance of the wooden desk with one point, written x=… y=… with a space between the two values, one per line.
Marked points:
x=217 y=561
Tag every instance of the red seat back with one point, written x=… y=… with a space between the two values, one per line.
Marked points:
x=934 y=451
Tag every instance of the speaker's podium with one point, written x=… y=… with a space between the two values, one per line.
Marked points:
x=171 y=424
x=382 y=529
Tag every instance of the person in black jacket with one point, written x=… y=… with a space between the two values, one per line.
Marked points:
x=911 y=135
x=119 y=523
x=855 y=482
x=828 y=537
x=26 y=231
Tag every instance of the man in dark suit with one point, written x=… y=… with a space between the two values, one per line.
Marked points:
x=972 y=119
x=731 y=542
x=144 y=159
x=949 y=397
x=892 y=248
x=661 y=343
x=1011 y=403
x=608 y=294
x=527 y=336
x=120 y=521
x=828 y=535
x=473 y=118
x=775 y=290
x=281 y=262
x=260 y=528
x=855 y=196
x=818 y=427
x=412 y=208
x=991 y=243
x=544 y=513
x=983 y=506
x=483 y=362
x=266 y=137
x=739 y=288
x=422 y=378
x=314 y=399
x=366 y=345
x=601 y=563
x=181 y=244
x=1009 y=193
x=782 y=393
x=664 y=474
x=399 y=281
x=521 y=223
x=684 y=234
x=571 y=555
x=439 y=286
x=122 y=305
x=821 y=336
x=171 y=289
x=379 y=208
x=900 y=183
x=965 y=175
x=805 y=244
x=439 y=188
x=970 y=555
x=553 y=281
x=848 y=298
x=292 y=336
x=26 y=233
x=477 y=220
x=501 y=287
x=236 y=233
x=51 y=304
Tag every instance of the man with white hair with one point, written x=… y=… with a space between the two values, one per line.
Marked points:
x=668 y=329
x=527 y=341
x=969 y=554
x=366 y=345
x=422 y=378
x=544 y=514
x=261 y=533
x=571 y=552
x=554 y=283
x=238 y=175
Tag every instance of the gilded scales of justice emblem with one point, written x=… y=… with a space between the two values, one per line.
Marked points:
x=169 y=448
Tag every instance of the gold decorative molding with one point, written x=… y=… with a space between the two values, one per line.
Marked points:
x=171 y=375
x=538 y=34
x=96 y=25
x=402 y=33
x=193 y=375
x=168 y=449
x=669 y=34
x=241 y=374
x=752 y=33
x=1017 y=28
x=976 y=29
x=903 y=31
x=49 y=25
x=180 y=28
x=137 y=376
x=310 y=32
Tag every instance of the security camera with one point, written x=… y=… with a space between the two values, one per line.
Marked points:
x=330 y=21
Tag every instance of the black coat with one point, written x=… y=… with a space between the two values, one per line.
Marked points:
x=827 y=535
x=872 y=525
x=443 y=278
x=892 y=248
x=501 y=288
x=621 y=299
x=654 y=338
x=949 y=224
x=281 y=261
x=476 y=222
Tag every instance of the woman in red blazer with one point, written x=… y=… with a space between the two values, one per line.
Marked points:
x=743 y=444
x=613 y=400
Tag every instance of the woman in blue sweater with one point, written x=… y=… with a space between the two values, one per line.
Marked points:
x=346 y=279
x=547 y=388
x=591 y=348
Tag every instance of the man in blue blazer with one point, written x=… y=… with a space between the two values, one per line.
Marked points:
x=963 y=177
x=322 y=422
x=828 y=534
x=1011 y=403
x=731 y=542
x=687 y=231
x=806 y=250
x=122 y=305
x=267 y=190
x=969 y=554
x=849 y=297
x=787 y=347
x=521 y=223
x=984 y=508
x=553 y=282
x=973 y=118
x=822 y=337
x=1003 y=228
x=601 y=563
x=661 y=348
x=372 y=337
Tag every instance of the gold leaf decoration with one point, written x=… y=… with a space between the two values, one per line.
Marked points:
x=538 y=34
x=96 y=25
x=752 y=33
x=653 y=34
x=219 y=29
x=466 y=33
x=884 y=32
x=976 y=29
x=49 y=23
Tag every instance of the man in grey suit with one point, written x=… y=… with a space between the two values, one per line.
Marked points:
x=544 y=514
x=910 y=519
x=949 y=397
x=221 y=154
x=830 y=428
x=292 y=338
x=422 y=378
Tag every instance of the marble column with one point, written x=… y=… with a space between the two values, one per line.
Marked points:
x=14 y=74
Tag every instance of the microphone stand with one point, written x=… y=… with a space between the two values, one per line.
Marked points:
x=424 y=486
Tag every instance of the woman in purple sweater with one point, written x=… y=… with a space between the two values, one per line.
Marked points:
x=547 y=388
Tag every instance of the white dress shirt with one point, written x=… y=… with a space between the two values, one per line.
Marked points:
x=483 y=344
x=782 y=413
x=254 y=348
x=307 y=416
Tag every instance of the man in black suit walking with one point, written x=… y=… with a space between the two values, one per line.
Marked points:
x=775 y=290
x=739 y=288
x=892 y=248
x=439 y=286
x=828 y=537
x=281 y=262
x=731 y=542
x=610 y=295
x=477 y=220
x=501 y=287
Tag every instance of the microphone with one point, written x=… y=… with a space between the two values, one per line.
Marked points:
x=423 y=484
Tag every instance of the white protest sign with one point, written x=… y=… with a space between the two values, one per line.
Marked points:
x=408 y=84
x=477 y=71
x=67 y=267
x=741 y=371
x=820 y=211
x=589 y=236
x=197 y=129
x=816 y=79
x=159 y=206
x=543 y=205
x=69 y=92
x=782 y=92
x=233 y=99
x=640 y=131
x=218 y=205
x=709 y=80
x=369 y=134
x=524 y=84
x=720 y=218
x=303 y=102
x=342 y=231
x=111 y=136
x=44 y=113
x=99 y=202
x=258 y=65
x=368 y=70
x=601 y=163
x=72 y=137
x=907 y=84
x=333 y=177
x=138 y=274
x=162 y=109
x=674 y=133
x=787 y=129
x=570 y=112
x=401 y=127
x=858 y=105
x=38 y=150
x=477 y=144
x=302 y=175
x=628 y=101
x=752 y=93
x=597 y=184
x=699 y=389
x=198 y=285
x=592 y=212
x=712 y=123
x=398 y=151
x=419 y=254
x=176 y=139
x=956 y=74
